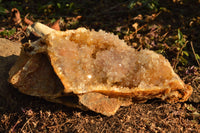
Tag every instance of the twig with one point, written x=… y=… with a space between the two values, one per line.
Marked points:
x=56 y=126
x=13 y=129
x=191 y=43
x=27 y=122
x=177 y=60
x=139 y=29
x=139 y=48
x=18 y=35
x=104 y=124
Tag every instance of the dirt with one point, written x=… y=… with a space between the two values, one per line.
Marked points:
x=23 y=113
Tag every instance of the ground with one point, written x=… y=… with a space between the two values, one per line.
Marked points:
x=167 y=27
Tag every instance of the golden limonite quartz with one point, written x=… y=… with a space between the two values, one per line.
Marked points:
x=94 y=70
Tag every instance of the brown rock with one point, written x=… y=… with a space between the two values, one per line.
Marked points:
x=35 y=76
x=100 y=103
x=9 y=52
x=9 y=48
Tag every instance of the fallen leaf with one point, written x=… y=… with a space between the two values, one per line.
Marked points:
x=56 y=25
x=27 y=21
x=78 y=17
x=15 y=16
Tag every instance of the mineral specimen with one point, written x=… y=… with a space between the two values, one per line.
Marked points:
x=94 y=70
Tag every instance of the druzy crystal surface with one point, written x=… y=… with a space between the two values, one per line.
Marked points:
x=98 y=68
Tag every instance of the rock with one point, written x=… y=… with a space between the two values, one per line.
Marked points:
x=9 y=48
x=9 y=52
x=97 y=68
x=100 y=103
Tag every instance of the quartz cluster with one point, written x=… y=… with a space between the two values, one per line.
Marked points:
x=94 y=70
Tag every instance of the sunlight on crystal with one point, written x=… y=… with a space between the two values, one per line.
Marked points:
x=90 y=58
x=89 y=76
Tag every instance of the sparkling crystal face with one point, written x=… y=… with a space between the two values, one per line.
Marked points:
x=90 y=61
